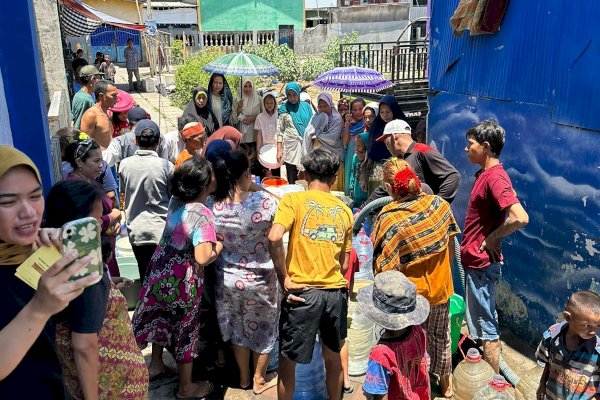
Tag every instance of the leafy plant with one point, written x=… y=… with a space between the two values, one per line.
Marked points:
x=177 y=52
x=281 y=56
x=332 y=54
x=292 y=67
x=190 y=75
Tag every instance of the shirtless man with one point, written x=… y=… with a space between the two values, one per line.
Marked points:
x=95 y=121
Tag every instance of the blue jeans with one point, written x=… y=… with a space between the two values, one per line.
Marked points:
x=482 y=317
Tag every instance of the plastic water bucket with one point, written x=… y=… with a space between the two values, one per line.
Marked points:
x=129 y=269
x=123 y=247
x=268 y=156
x=457 y=314
x=275 y=181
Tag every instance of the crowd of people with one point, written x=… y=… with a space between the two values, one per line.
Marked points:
x=209 y=244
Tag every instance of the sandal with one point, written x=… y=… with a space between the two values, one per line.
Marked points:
x=203 y=393
x=167 y=372
x=266 y=386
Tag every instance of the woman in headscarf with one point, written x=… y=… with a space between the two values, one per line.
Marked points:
x=294 y=116
x=266 y=126
x=246 y=110
x=370 y=112
x=228 y=133
x=353 y=126
x=29 y=365
x=357 y=193
x=199 y=108
x=413 y=235
x=325 y=130
x=377 y=153
x=220 y=99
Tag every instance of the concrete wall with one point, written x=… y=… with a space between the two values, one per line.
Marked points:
x=373 y=23
x=371 y=13
x=50 y=48
x=244 y=15
x=126 y=10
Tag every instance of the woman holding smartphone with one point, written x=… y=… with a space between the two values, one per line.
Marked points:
x=94 y=338
x=29 y=365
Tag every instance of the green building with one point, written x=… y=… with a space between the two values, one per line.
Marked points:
x=250 y=15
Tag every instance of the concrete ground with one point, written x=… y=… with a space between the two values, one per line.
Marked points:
x=159 y=107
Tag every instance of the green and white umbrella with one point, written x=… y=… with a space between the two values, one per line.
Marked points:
x=241 y=64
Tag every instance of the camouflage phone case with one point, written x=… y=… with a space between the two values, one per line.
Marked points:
x=83 y=235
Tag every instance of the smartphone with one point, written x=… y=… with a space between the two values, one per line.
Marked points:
x=83 y=235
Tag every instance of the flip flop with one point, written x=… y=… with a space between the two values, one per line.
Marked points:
x=210 y=388
x=167 y=372
x=349 y=389
x=267 y=385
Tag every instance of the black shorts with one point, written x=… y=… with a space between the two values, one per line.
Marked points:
x=325 y=311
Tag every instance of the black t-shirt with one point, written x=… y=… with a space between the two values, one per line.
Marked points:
x=78 y=62
x=38 y=375
x=86 y=313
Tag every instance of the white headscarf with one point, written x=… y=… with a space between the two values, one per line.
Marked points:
x=252 y=103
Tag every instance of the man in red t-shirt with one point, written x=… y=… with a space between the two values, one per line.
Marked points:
x=493 y=213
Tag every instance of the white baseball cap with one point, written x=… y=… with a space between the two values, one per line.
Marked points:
x=395 y=126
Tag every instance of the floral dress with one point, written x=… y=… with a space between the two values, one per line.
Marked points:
x=247 y=290
x=168 y=313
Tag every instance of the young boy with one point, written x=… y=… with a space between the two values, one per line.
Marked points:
x=494 y=212
x=397 y=366
x=570 y=352
x=312 y=277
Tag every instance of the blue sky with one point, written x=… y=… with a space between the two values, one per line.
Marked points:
x=320 y=3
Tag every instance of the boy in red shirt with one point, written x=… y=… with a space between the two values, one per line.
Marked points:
x=493 y=213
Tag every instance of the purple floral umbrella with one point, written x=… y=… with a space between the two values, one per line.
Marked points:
x=352 y=79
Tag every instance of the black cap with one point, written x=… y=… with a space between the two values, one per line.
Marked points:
x=136 y=114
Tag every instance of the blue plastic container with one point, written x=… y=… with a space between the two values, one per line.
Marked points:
x=273 y=364
x=310 y=378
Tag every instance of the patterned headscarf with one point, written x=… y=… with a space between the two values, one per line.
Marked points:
x=226 y=98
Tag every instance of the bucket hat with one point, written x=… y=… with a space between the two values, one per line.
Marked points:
x=392 y=301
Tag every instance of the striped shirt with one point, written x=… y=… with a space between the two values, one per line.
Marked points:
x=574 y=375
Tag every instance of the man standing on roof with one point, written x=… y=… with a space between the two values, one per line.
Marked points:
x=429 y=165
x=131 y=63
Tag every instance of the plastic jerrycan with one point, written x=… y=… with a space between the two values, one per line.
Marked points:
x=310 y=378
x=528 y=384
x=471 y=375
x=497 y=389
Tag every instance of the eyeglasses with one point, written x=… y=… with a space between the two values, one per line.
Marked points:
x=83 y=147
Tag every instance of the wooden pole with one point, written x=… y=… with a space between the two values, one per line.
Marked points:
x=146 y=45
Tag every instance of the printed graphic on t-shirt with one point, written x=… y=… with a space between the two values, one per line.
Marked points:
x=332 y=231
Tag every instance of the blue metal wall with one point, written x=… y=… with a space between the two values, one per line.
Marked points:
x=538 y=77
x=113 y=41
x=22 y=75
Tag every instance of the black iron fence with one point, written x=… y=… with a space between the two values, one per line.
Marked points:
x=398 y=61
